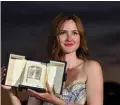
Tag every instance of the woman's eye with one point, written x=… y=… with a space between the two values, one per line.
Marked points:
x=62 y=33
x=75 y=33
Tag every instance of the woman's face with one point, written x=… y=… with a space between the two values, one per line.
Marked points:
x=69 y=37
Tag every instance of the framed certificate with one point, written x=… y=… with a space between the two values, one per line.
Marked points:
x=24 y=74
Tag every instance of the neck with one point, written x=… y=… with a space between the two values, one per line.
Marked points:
x=71 y=59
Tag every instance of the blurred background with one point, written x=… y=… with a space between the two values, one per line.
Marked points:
x=25 y=27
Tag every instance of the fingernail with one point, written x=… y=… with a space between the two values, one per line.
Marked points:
x=28 y=89
x=4 y=68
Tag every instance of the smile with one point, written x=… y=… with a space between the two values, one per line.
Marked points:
x=68 y=44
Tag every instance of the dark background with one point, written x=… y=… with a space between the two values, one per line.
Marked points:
x=25 y=27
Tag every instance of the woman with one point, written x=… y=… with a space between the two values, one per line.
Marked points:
x=84 y=82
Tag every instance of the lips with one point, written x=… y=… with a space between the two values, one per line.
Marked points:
x=68 y=44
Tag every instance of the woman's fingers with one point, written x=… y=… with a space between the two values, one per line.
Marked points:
x=6 y=87
x=49 y=88
x=36 y=94
x=2 y=78
x=2 y=75
x=3 y=71
x=42 y=96
x=32 y=92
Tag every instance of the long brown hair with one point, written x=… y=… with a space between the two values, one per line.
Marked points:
x=57 y=53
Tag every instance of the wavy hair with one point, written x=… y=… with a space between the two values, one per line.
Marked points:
x=57 y=53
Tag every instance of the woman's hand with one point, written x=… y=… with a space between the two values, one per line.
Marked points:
x=3 y=71
x=48 y=96
x=8 y=89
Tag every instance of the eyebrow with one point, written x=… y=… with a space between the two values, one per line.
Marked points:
x=66 y=30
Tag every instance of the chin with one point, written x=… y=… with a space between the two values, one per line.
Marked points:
x=68 y=51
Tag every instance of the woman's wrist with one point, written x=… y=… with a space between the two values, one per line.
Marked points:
x=10 y=92
x=59 y=101
x=15 y=100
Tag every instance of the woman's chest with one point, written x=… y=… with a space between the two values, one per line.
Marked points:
x=73 y=75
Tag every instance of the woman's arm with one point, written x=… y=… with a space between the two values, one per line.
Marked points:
x=34 y=101
x=94 y=84
x=15 y=97
x=94 y=87
x=47 y=97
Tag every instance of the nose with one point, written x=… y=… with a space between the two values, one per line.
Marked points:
x=69 y=37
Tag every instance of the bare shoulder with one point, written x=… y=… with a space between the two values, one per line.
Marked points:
x=92 y=67
x=94 y=83
x=92 y=63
